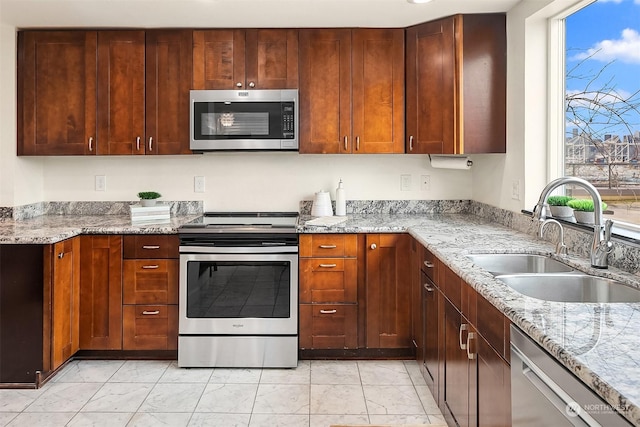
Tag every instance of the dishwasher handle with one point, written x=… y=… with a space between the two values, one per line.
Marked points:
x=553 y=392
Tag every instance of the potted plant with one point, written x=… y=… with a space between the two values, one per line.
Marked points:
x=148 y=198
x=559 y=208
x=583 y=210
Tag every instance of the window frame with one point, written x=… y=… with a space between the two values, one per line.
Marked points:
x=630 y=232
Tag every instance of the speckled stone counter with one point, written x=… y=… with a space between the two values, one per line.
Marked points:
x=47 y=229
x=599 y=343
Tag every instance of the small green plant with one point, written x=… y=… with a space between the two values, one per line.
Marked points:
x=584 y=205
x=149 y=195
x=558 y=200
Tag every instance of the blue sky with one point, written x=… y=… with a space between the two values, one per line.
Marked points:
x=607 y=31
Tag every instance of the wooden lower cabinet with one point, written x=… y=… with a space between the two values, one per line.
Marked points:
x=328 y=326
x=388 y=292
x=150 y=327
x=494 y=387
x=101 y=292
x=64 y=259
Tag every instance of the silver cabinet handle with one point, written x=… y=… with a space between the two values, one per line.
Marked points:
x=61 y=255
x=252 y=84
x=328 y=265
x=346 y=140
x=463 y=327
x=150 y=247
x=411 y=143
x=90 y=143
x=357 y=143
x=428 y=287
x=151 y=313
x=238 y=84
x=150 y=143
x=150 y=267
x=328 y=246
x=138 y=143
x=328 y=311
x=470 y=355
x=373 y=246
x=428 y=264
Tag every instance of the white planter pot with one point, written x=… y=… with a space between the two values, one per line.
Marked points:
x=584 y=217
x=561 y=211
x=148 y=202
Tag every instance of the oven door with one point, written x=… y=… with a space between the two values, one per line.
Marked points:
x=238 y=294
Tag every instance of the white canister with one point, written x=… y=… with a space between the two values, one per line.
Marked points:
x=341 y=201
x=322 y=204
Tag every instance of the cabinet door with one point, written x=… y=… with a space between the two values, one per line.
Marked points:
x=378 y=91
x=494 y=387
x=219 y=59
x=325 y=91
x=328 y=280
x=121 y=92
x=327 y=326
x=431 y=324
x=271 y=59
x=167 y=82
x=150 y=327
x=388 y=291
x=459 y=390
x=150 y=281
x=101 y=293
x=65 y=293
x=56 y=92
x=430 y=74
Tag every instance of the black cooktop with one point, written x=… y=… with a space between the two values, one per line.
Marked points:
x=243 y=222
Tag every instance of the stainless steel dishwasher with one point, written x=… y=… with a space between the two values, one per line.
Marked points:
x=545 y=393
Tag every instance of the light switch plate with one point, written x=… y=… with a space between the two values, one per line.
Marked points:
x=101 y=183
x=198 y=184
x=405 y=182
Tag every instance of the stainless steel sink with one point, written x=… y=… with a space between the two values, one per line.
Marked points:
x=498 y=264
x=571 y=288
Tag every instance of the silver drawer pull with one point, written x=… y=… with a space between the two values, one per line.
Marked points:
x=150 y=267
x=428 y=264
x=328 y=265
x=151 y=313
x=151 y=247
x=328 y=246
x=470 y=355
x=328 y=311
x=428 y=287
x=463 y=327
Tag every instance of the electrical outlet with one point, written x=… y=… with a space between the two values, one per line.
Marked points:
x=515 y=189
x=198 y=184
x=101 y=183
x=425 y=182
x=405 y=182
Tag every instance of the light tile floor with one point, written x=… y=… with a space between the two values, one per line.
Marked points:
x=158 y=393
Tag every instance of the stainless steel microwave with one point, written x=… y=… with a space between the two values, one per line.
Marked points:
x=261 y=120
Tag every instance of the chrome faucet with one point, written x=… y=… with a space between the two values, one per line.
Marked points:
x=561 y=248
x=601 y=245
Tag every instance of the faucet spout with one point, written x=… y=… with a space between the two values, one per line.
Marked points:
x=601 y=245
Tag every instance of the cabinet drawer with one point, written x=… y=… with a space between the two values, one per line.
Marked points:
x=328 y=280
x=326 y=326
x=429 y=265
x=493 y=326
x=328 y=245
x=151 y=246
x=452 y=287
x=150 y=281
x=150 y=327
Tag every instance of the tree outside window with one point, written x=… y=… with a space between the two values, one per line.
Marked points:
x=602 y=126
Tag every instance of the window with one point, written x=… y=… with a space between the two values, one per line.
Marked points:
x=602 y=103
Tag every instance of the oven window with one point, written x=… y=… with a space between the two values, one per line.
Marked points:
x=221 y=289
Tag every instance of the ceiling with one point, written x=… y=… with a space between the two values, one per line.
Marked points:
x=234 y=13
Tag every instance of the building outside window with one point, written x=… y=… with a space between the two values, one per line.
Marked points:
x=602 y=103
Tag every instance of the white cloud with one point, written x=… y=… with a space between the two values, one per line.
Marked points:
x=625 y=49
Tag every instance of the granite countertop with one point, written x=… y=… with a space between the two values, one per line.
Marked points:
x=597 y=342
x=47 y=229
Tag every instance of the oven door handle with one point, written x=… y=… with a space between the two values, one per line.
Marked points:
x=237 y=250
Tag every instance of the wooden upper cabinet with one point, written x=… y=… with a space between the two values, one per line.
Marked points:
x=351 y=91
x=325 y=91
x=121 y=92
x=245 y=59
x=456 y=85
x=168 y=73
x=56 y=68
x=378 y=91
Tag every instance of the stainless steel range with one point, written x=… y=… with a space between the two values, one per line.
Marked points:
x=239 y=291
